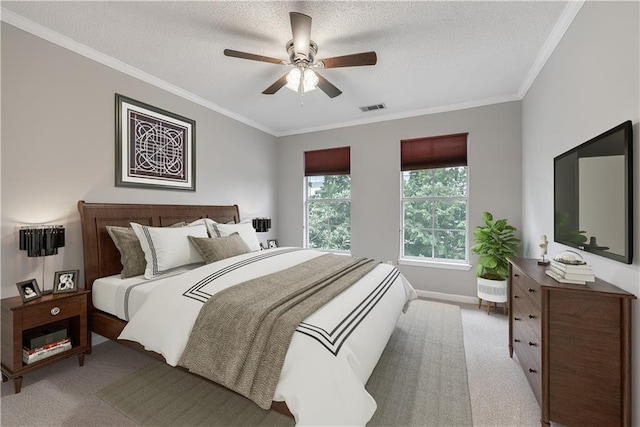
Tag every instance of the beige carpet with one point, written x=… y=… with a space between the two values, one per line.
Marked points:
x=421 y=380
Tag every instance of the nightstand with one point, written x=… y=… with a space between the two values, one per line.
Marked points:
x=21 y=320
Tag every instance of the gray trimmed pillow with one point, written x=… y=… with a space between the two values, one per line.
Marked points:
x=131 y=253
x=219 y=248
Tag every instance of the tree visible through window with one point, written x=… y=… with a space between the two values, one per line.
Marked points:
x=434 y=208
x=434 y=198
x=329 y=212
x=328 y=199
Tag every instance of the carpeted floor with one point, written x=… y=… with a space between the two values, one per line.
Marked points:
x=421 y=379
x=64 y=394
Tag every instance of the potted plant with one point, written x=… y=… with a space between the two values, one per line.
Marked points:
x=495 y=241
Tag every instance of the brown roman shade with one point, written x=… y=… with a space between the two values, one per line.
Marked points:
x=434 y=152
x=331 y=161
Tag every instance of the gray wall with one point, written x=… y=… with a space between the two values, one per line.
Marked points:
x=58 y=148
x=494 y=154
x=589 y=85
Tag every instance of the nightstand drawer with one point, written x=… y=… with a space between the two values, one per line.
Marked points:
x=50 y=311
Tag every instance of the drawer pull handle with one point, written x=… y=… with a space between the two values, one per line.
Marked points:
x=532 y=344
x=516 y=296
x=516 y=318
x=55 y=311
x=531 y=316
x=516 y=275
x=516 y=340
x=533 y=371
x=531 y=290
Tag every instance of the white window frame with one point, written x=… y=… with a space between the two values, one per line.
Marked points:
x=308 y=201
x=446 y=263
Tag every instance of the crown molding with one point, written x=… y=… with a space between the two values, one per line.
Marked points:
x=63 y=41
x=562 y=25
x=559 y=29
x=405 y=115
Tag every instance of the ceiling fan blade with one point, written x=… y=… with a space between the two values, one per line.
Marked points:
x=276 y=86
x=251 y=56
x=328 y=87
x=301 y=30
x=354 y=60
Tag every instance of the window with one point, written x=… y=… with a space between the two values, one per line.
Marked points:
x=435 y=198
x=328 y=199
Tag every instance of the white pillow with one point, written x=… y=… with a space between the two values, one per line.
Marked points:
x=205 y=221
x=244 y=229
x=168 y=249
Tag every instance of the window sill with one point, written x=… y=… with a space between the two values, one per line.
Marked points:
x=435 y=264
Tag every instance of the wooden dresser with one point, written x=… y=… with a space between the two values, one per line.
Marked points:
x=574 y=345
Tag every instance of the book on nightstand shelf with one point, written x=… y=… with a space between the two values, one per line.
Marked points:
x=30 y=355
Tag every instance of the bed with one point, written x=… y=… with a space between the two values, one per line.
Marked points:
x=323 y=375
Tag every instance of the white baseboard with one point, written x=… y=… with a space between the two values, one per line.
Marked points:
x=447 y=297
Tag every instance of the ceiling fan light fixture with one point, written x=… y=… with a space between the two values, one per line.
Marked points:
x=309 y=80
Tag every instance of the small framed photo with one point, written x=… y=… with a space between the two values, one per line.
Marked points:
x=65 y=281
x=29 y=290
x=272 y=244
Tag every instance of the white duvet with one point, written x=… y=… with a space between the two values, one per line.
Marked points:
x=332 y=353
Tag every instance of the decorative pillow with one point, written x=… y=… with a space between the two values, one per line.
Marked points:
x=131 y=254
x=166 y=250
x=215 y=249
x=244 y=229
x=207 y=223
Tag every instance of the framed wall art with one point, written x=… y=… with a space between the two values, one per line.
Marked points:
x=65 y=281
x=154 y=148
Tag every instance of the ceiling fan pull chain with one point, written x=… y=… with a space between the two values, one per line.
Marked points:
x=301 y=88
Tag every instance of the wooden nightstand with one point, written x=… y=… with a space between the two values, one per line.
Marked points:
x=20 y=319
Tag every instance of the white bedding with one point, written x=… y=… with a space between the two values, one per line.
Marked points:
x=122 y=297
x=332 y=353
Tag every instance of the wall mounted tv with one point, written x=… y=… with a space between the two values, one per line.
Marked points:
x=593 y=195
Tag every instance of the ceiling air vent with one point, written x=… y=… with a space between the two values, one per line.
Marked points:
x=373 y=108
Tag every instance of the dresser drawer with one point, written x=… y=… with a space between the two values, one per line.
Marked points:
x=529 y=358
x=526 y=340
x=524 y=312
x=51 y=311
x=527 y=287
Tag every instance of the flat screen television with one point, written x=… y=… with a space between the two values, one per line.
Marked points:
x=593 y=195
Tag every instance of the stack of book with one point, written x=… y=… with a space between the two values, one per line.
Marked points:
x=578 y=273
x=30 y=355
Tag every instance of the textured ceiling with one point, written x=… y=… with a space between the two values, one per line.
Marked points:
x=432 y=56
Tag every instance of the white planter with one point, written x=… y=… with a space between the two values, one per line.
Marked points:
x=492 y=290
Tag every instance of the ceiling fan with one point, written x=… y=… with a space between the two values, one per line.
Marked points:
x=302 y=55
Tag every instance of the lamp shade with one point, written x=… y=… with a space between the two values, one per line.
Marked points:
x=262 y=225
x=309 y=80
x=41 y=240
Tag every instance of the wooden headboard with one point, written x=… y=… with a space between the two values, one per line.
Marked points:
x=101 y=258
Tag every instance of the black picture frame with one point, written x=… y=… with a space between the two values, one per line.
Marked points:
x=141 y=160
x=29 y=290
x=272 y=243
x=65 y=281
